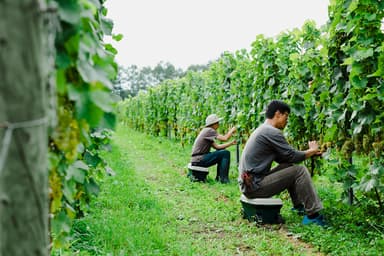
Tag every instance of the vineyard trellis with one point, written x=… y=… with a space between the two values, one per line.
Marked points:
x=85 y=67
x=331 y=76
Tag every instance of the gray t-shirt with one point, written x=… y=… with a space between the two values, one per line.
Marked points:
x=265 y=145
x=203 y=143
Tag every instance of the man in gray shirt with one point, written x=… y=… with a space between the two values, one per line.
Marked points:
x=266 y=145
x=201 y=154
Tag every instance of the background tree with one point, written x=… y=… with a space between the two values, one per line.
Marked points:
x=198 y=67
x=132 y=79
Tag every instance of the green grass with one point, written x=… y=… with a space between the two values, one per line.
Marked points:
x=151 y=208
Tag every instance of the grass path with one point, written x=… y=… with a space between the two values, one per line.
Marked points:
x=151 y=208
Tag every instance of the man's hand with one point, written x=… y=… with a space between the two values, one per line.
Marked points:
x=233 y=130
x=313 y=145
x=226 y=136
x=313 y=149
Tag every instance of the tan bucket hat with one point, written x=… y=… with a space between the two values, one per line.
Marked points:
x=212 y=119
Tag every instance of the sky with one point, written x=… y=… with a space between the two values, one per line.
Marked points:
x=188 y=32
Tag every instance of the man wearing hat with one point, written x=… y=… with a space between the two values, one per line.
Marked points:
x=201 y=155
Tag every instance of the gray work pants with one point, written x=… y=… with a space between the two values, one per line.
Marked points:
x=296 y=180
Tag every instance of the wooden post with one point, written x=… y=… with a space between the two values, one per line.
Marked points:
x=350 y=190
x=239 y=140
x=24 y=88
x=312 y=166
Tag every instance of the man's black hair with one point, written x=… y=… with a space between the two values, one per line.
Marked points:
x=276 y=105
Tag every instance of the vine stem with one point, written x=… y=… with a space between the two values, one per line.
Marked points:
x=350 y=190
x=379 y=199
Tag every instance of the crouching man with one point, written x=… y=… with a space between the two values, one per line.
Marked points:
x=266 y=145
x=201 y=155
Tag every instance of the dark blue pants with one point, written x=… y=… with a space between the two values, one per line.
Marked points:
x=220 y=157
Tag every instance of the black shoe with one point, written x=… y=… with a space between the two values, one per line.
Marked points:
x=299 y=210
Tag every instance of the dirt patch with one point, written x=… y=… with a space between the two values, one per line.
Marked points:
x=295 y=240
x=222 y=198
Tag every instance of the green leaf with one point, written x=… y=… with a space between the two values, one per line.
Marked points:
x=70 y=211
x=369 y=97
x=74 y=93
x=353 y=6
x=81 y=165
x=96 y=3
x=362 y=54
x=354 y=113
x=359 y=82
x=371 y=17
x=375 y=170
x=72 y=47
x=106 y=65
x=63 y=61
x=110 y=48
x=76 y=171
x=342 y=116
x=108 y=121
x=92 y=74
x=106 y=26
x=85 y=108
x=61 y=223
x=61 y=82
x=92 y=160
x=367 y=118
x=368 y=185
x=69 y=190
x=117 y=37
x=92 y=187
x=87 y=46
x=69 y=11
x=348 y=61
x=102 y=99
x=357 y=128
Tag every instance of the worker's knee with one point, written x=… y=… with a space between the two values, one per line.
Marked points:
x=302 y=170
